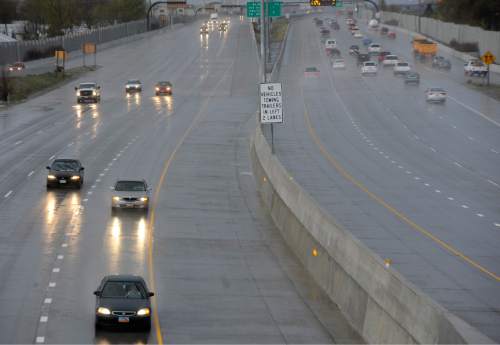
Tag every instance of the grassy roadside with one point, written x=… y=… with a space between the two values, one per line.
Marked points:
x=20 y=88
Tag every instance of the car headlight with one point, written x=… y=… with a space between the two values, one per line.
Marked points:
x=103 y=311
x=94 y=93
x=143 y=312
x=144 y=199
x=51 y=177
x=168 y=88
x=74 y=178
x=78 y=93
x=116 y=198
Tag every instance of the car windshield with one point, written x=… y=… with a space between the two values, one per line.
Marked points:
x=164 y=83
x=133 y=81
x=311 y=69
x=131 y=186
x=87 y=86
x=65 y=166
x=375 y=46
x=339 y=61
x=403 y=64
x=369 y=63
x=437 y=90
x=391 y=57
x=130 y=290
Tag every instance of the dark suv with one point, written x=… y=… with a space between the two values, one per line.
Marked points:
x=65 y=172
x=363 y=58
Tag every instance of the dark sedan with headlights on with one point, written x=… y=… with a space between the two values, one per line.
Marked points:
x=65 y=172
x=163 y=88
x=123 y=300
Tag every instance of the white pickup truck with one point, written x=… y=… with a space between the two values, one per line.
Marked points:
x=475 y=68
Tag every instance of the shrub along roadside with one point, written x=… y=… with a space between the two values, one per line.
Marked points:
x=22 y=87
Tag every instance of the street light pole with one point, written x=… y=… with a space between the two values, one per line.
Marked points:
x=262 y=40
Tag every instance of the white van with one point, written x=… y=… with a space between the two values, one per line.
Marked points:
x=330 y=44
x=214 y=16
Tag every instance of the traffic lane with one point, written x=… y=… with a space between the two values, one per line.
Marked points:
x=453 y=80
x=446 y=128
x=27 y=270
x=421 y=260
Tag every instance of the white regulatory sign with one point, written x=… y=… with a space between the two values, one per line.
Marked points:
x=271 y=103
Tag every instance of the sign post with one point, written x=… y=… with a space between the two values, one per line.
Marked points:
x=271 y=106
x=488 y=58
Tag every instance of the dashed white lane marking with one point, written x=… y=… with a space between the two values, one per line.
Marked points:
x=7 y=194
x=47 y=300
x=480 y=215
x=458 y=164
x=493 y=183
x=98 y=180
x=465 y=206
x=437 y=191
x=40 y=340
x=417 y=178
x=493 y=150
x=52 y=284
x=52 y=157
x=393 y=162
x=64 y=245
x=450 y=198
x=474 y=111
x=427 y=184
x=56 y=270
x=18 y=142
x=44 y=318
x=31 y=173
x=93 y=186
x=114 y=159
x=89 y=192
x=416 y=137
x=70 y=144
x=408 y=172
x=386 y=157
x=400 y=167
x=106 y=169
x=471 y=138
x=433 y=149
x=246 y=173
x=85 y=200
x=454 y=127
x=60 y=257
x=101 y=174
x=497 y=225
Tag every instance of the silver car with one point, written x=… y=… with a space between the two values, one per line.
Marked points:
x=133 y=85
x=130 y=194
x=435 y=95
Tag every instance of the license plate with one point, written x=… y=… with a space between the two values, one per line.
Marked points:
x=62 y=181
x=123 y=319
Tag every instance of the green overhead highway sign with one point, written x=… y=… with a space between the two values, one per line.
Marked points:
x=253 y=9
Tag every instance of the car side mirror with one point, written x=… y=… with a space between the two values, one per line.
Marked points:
x=97 y=293
x=47 y=167
x=82 y=168
x=151 y=294
x=99 y=87
x=76 y=88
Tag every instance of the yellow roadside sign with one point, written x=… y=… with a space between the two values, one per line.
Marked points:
x=488 y=58
x=89 y=48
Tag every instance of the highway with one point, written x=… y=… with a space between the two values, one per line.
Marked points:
x=418 y=183
x=220 y=271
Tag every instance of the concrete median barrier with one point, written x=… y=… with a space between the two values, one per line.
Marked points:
x=378 y=302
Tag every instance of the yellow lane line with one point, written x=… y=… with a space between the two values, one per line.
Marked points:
x=382 y=202
x=156 y=197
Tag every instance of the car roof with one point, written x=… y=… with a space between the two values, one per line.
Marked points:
x=436 y=89
x=123 y=277
x=130 y=180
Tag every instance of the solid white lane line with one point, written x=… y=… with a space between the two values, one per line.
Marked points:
x=474 y=111
x=465 y=206
x=31 y=173
x=40 y=340
x=56 y=270
x=7 y=194
x=52 y=157
x=480 y=215
x=44 y=318
x=47 y=300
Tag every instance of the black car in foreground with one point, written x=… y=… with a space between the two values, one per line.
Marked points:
x=123 y=300
x=65 y=172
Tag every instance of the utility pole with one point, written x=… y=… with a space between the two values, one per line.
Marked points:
x=262 y=40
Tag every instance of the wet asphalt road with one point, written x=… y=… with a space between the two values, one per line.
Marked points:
x=220 y=270
x=418 y=183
